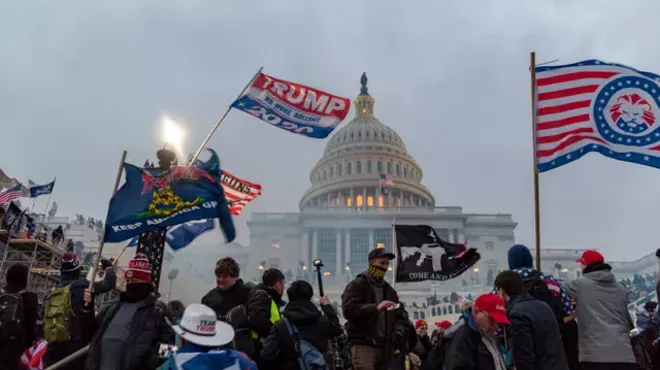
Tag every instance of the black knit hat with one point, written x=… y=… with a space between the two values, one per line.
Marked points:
x=300 y=290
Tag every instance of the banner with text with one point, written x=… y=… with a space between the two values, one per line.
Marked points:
x=296 y=108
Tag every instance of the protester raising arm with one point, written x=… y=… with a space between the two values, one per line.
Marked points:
x=109 y=281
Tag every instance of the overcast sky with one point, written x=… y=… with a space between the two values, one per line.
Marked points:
x=81 y=81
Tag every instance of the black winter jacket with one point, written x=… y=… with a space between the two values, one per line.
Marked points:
x=361 y=312
x=534 y=338
x=467 y=350
x=258 y=309
x=279 y=352
x=223 y=301
x=148 y=330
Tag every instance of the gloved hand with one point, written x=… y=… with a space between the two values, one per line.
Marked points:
x=105 y=263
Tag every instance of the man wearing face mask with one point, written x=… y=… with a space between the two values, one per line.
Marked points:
x=128 y=332
x=375 y=320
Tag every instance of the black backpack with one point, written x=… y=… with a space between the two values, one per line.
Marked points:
x=538 y=288
x=237 y=317
x=12 y=317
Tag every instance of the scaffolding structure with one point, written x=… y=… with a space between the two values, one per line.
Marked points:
x=41 y=257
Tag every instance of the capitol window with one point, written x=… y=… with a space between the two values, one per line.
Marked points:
x=369 y=166
x=349 y=168
x=349 y=202
x=332 y=170
x=358 y=167
x=379 y=166
x=338 y=169
x=405 y=172
x=370 y=201
x=359 y=200
x=490 y=246
x=381 y=201
x=398 y=170
x=325 y=173
x=389 y=167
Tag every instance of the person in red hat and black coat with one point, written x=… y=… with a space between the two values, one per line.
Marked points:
x=128 y=332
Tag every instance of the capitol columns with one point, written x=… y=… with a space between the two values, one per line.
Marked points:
x=304 y=248
x=315 y=244
x=347 y=245
x=338 y=266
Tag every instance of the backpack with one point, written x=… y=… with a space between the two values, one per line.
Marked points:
x=12 y=317
x=56 y=315
x=309 y=357
x=237 y=317
x=538 y=288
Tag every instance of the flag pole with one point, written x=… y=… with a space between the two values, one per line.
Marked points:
x=217 y=124
x=395 y=250
x=105 y=225
x=537 y=212
x=48 y=201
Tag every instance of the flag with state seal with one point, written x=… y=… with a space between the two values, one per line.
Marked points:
x=595 y=106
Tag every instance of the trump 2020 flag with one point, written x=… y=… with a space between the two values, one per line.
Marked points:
x=594 y=106
x=152 y=199
x=422 y=255
x=37 y=190
x=293 y=107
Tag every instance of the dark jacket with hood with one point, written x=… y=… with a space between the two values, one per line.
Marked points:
x=534 y=338
x=258 y=309
x=360 y=309
x=16 y=283
x=278 y=350
x=466 y=349
x=223 y=301
x=148 y=330
x=521 y=261
x=604 y=323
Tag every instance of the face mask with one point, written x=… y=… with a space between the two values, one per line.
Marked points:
x=377 y=271
x=138 y=291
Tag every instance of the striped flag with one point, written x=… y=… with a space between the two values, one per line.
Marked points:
x=385 y=180
x=11 y=194
x=594 y=106
x=238 y=192
x=32 y=358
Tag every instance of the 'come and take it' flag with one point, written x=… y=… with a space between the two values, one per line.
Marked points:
x=296 y=108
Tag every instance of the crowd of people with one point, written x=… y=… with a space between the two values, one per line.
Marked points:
x=529 y=321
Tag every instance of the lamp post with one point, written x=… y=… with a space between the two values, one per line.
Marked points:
x=152 y=243
x=171 y=276
x=476 y=275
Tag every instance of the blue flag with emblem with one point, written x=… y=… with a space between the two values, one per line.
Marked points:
x=224 y=360
x=152 y=199
x=181 y=236
x=37 y=190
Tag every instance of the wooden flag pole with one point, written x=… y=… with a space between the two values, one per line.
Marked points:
x=537 y=212
x=217 y=124
x=100 y=251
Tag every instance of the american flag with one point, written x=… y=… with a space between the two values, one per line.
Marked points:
x=594 y=106
x=11 y=194
x=238 y=192
x=385 y=180
x=32 y=358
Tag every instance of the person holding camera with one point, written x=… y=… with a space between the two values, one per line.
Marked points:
x=376 y=322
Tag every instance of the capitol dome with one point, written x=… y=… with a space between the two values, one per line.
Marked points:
x=366 y=165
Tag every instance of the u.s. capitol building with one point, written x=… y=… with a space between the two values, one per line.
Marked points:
x=346 y=213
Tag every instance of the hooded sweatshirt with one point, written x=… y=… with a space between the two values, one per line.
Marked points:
x=604 y=323
x=521 y=261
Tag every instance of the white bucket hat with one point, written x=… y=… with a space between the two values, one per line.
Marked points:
x=200 y=326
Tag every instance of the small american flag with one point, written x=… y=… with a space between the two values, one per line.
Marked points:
x=32 y=358
x=385 y=180
x=594 y=106
x=11 y=194
x=238 y=192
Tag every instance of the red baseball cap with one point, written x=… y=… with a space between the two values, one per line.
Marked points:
x=494 y=306
x=443 y=324
x=590 y=257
